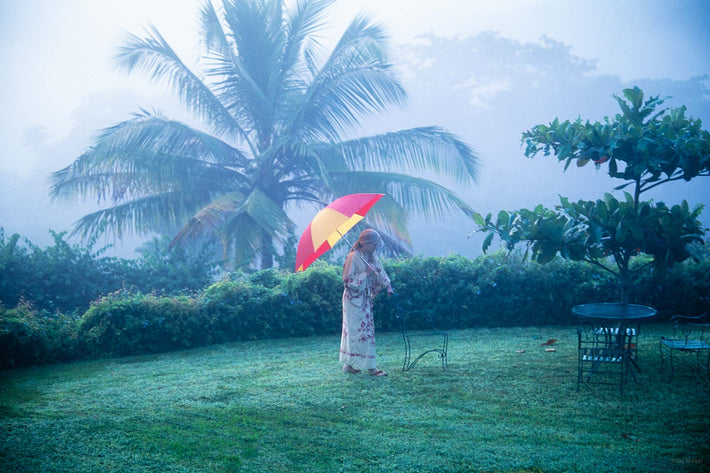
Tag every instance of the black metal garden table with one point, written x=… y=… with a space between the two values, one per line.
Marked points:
x=607 y=336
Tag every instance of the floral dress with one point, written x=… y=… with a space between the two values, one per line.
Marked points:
x=357 y=343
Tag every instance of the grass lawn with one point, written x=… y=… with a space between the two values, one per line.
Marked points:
x=285 y=406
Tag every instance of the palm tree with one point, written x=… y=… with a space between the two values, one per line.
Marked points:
x=277 y=128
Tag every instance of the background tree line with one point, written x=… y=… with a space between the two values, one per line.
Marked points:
x=66 y=277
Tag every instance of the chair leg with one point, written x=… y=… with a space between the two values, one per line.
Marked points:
x=407 y=353
x=707 y=362
x=670 y=355
x=442 y=352
x=445 y=352
x=669 y=352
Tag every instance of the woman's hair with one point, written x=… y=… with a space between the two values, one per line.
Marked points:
x=367 y=236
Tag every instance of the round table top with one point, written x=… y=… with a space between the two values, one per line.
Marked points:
x=614 y=310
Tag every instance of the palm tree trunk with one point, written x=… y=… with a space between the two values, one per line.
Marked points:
x=267 y=251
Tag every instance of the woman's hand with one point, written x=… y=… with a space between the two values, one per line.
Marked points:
x=390 y=292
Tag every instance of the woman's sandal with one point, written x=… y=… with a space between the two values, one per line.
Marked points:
x=378 y=373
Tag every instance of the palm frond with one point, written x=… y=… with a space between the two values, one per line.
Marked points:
x=362 y=38
x=210 y=218
x=73 y=181
x=252 y=74
x=138 y=216
x=307 y=19
x=420 y=150
x=266 y=214
x=390 y=218
x=211 y=31
x=416 y=195
x=355 y=82
x=296 y=63
x=149 y=154
x=338 y=105
x=297 y=166
x=151 y=131
x=232 y=84
x=303 y=26
x=245 y=244
x=226 y=215
x=241 y=247
x=154 y=55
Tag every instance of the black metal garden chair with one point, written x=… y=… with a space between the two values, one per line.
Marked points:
x=422 y=334
x=606 y=352
x=691 y=336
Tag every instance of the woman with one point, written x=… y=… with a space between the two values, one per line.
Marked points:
x=363 y=278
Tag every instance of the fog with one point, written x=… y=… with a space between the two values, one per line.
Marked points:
x=487 y=71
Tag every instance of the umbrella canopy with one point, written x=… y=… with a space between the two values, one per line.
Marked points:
x=330 y=225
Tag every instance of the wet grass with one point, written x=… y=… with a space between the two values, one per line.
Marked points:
x=284 y=406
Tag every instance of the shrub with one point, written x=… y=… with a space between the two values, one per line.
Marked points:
x=177 y=270
x=125 y=323
x=60 y=277
x=237 y=310
x=32 y=337
x=685 y=289
x=66 y=278
x=511 y=292
x=493 y=290
x=315 y=298
x=275 y=304
x=445 y=285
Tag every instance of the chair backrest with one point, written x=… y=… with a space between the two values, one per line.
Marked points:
x=686 y=327
x=606 y=334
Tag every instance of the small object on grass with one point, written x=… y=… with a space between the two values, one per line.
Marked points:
x=519 y=351
x=550 y=349
x=550 y=341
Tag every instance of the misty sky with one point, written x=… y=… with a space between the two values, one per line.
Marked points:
x=58 y=85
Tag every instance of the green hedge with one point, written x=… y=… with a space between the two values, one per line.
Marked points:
x=489 y=291
x=35 y=337
x=124 y=324
x=495 y=290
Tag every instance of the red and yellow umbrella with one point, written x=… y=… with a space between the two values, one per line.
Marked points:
x=330 y=224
